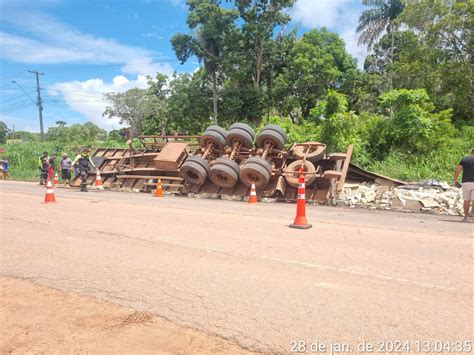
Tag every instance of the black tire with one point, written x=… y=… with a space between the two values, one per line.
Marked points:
x=293 y=179
x=242 y=133
x=261 y=162
x=195 y=170
x=227 y=162
x=214 y=134
x=273 y=136
x=245 y=127
x=276 y=128
x=254 y=173
x=217 y=129
x=223 y=175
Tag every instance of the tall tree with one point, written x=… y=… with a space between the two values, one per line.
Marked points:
x=130 y=107
x=212 y=27
x=4 y=132
x=318 y=62
x=189 y=103
x=256 y=49
x=444 y=29
x=381 y=17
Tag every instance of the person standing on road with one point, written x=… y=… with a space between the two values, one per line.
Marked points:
x=6 y=167
x=83 y=160
x=52 y=167
x=43 y=164
x=467 y=166
x=66 y=166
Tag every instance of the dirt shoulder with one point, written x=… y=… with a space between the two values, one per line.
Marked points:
x=39 y=319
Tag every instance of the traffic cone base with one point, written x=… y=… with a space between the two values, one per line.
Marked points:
x=98 y=180
x=159 y=189
x=253 y=195
x=49 y=196
x=301 y=224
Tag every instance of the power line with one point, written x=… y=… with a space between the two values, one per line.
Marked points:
x=15 y=108
x=13 y=98
x=13 y=81
x=12 y=76
x=14 y=104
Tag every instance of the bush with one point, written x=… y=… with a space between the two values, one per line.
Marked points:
x=436 y=164
x=412 y=126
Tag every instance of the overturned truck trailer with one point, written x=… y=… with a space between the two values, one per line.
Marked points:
x=224 y=163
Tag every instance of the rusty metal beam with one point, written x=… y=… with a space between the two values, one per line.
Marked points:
x=162 y=184
x=345 y=168
x=149 y=177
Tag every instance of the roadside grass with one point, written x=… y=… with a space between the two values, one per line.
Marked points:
x=24 y=156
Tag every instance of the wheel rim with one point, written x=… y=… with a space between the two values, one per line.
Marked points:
x=262 y=162
x=223 y=176
x=253 y=173
x=241 y=136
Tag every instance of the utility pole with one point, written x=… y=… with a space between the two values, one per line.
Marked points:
x=39 y=101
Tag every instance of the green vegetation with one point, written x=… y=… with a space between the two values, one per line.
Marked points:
x=23 y=154
x=409 y=112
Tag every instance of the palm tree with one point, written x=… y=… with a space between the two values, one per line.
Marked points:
x=373 y=22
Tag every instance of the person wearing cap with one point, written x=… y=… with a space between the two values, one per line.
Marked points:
x=43 y=164
x=83 y=160
x=66 y=166
x=466 y=165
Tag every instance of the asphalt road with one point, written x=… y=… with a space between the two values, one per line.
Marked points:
x=238 y=271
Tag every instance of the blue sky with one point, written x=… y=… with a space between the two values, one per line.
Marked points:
x=86 y=48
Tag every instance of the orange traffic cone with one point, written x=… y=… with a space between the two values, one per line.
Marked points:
x=253 y=195
x=98 y=180
x=300 y=220
x=159 y=189
x=49 y=197
x=56 y=180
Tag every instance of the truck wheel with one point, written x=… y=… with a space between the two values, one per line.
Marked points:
x=241 y=133
x=314 y=155
x=293 y=178
x=223 y=173
x=254 y=173
x=272 y=134
x=194 y=170
x=214 y=134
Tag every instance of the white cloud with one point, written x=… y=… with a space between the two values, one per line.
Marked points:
x=21 y=49
x=337 y=15
x=53 y=42
x=359 y=52
x=86 y=97
x=320 y=13
x=44 y=40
